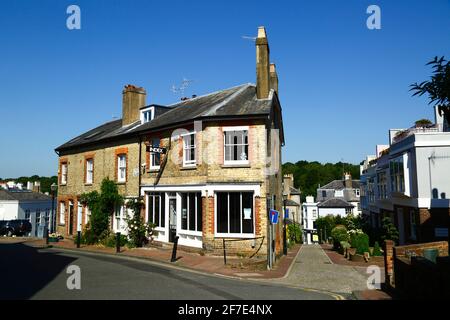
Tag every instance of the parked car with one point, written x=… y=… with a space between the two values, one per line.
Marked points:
x=15 y=227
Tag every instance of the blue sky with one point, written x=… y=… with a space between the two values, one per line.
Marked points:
x=342 y=86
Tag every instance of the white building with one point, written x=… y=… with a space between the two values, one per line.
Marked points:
x=410 y=182
x=310 y=215
x=20 y=204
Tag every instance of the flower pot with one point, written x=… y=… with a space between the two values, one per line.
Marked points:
x=51 y=239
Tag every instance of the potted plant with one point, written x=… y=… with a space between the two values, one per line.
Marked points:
x=422 y=123
x=54 y=237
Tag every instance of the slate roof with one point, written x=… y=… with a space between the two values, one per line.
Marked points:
x=233 y=102
x=340 y=184
x=236 y=101
x=292 y=203
x=335 y=203
x=23 y=195
x=294 y=190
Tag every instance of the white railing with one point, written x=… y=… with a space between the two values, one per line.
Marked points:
x=413 y=130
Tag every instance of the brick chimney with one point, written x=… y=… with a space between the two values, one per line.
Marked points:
x=133 y=99
x=262 y=64
x=273 y=78
x=348 y=180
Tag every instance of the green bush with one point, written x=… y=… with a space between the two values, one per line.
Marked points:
x=343 y=245
x=360 y=242
x=390 y=232
x=339 y=233
x=376 y=250
x=110 y=240
x=295 y=233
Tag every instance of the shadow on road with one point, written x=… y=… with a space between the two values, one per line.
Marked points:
x=24 y=270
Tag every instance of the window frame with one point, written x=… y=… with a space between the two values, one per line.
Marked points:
x=216 y=215
x=161 y=212
x=152 y=156
x=144 y=112
x=64 y=171
x=236 y=129
x=91 y=171
x=124 y=179
x=62 y=213
x=197 y=197
x=190 y=163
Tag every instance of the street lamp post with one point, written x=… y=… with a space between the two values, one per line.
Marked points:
x=284 y=225
x=53 y=188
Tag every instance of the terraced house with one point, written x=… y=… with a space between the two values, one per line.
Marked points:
x=216 y=178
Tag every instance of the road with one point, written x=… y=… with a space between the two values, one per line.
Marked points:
x=30 y=273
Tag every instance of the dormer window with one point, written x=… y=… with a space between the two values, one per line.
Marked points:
x=147 y=114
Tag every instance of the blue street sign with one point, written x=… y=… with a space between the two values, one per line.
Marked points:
x=286 y=214
x=274 y=216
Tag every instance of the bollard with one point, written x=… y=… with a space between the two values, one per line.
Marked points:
x=79 y=239
x=46 y=236
x=118 y=242
x=224 y=252
x=174 y=250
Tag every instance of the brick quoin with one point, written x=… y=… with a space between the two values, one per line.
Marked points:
x=257 y=217
x=211 y=215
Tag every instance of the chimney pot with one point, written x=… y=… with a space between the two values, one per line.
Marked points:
x=273 y=77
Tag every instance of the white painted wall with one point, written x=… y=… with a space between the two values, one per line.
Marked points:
x=9 y=210
x=332 y=211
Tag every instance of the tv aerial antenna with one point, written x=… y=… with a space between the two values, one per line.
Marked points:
x=249 y=38
x=183 y=86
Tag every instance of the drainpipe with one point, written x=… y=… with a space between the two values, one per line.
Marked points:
x=140 y=167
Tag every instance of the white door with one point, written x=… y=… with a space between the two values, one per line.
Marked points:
x=79 y=217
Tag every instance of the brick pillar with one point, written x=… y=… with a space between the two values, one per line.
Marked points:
x=389 y=262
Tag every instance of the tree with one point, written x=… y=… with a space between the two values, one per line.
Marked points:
x=390 y=232
x=438 y=88
x=308 y=175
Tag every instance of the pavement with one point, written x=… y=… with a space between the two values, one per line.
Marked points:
x=314 y=269
x=30 y=272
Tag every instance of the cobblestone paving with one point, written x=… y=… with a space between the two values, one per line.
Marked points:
x=313 y=269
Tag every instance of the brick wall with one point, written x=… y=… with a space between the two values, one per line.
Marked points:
x=399 y=255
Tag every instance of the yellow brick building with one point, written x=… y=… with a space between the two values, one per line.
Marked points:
x=217 y=177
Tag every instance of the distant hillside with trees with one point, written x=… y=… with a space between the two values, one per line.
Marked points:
x=309 y=175
x=46 y=182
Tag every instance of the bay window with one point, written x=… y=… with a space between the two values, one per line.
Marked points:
x=191 y=211
x=236 y=146
x=156 y=209
x=235 y=214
